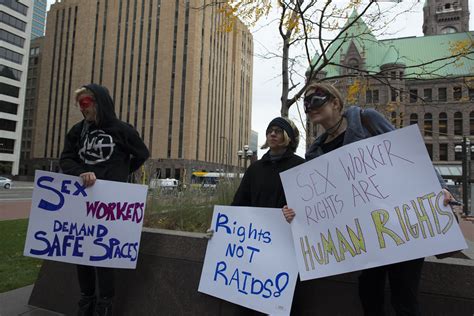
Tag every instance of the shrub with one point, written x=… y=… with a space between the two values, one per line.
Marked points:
x=187 y=210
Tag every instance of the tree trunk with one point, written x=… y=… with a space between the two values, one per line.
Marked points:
x=285 y=78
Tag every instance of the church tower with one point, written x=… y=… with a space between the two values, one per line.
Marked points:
x=445 y=16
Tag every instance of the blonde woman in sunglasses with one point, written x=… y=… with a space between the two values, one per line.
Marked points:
x=324 y=105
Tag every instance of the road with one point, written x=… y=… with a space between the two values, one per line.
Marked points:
x=16 y=194
x=16 y=202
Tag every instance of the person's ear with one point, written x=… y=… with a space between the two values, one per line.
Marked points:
x=337 y=104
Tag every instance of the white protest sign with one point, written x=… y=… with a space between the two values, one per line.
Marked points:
x=250 y=259
x=370 y=203
x=96 y=226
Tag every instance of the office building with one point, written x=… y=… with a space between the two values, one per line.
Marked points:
x=174 y=73
x=15 y=32
x=39 y=18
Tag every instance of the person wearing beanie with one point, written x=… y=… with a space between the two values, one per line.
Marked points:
x=261 y=185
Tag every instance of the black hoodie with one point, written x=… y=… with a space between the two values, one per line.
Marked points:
x=110 y=148
x=261 y=185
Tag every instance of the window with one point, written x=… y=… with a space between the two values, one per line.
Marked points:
x=428 y=124
x=354 y=66
x=37 y=25
x=15 y=5
x=11 y=38
x=458 y=123
x=12 y=21
x=458 y=155
x=34 y=51
x=38 y=18
x=7 y=145
x=9 y=72
x=393 y=75
x=393 y=94
x=9 y=90
x=413 y=96
x=471 y=94
x=11 y=55
x=448 y=30
x=7 y=125
x=442 y=95
x=368 y=96
x=443 y=124
x=8 y=107
x=375 y=96
x=427 y=95
x=413 y=118
x=443 y=152
x=457 y=93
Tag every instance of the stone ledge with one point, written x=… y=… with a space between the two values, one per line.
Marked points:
x=169 y=268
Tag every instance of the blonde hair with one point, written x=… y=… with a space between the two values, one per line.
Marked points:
x=328 y=88
x=81 y=91
x=286 y=139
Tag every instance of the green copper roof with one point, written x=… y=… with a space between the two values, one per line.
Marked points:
x=410 y=51
x=391 y=56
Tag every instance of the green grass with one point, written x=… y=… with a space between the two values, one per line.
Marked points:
x=15 y=270
x=190 y=210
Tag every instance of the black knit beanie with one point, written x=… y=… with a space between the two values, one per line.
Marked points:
x=283 y=124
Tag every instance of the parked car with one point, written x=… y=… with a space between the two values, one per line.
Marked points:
x=5 y=183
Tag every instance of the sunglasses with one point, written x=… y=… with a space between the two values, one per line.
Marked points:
x=85 y=102
x=315 y=101
x=277 y=130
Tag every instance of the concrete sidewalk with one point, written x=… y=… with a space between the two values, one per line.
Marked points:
x=15 y=303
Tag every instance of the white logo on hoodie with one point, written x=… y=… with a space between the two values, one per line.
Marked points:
x=97 y=147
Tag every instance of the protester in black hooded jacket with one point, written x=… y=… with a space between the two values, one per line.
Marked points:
x=100 y=147
x=261 y=185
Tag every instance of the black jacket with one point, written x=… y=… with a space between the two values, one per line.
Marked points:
x=112 y=149
x=261 y=185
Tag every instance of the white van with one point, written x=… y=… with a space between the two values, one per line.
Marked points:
x=166 y=184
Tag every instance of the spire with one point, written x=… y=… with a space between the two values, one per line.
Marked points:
x=357 y=28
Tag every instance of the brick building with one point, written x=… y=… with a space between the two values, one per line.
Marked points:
x=414 y=80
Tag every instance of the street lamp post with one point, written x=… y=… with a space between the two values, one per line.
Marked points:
x=245 y=154
x=466 y=150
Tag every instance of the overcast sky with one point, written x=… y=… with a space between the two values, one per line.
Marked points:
x=267 y=81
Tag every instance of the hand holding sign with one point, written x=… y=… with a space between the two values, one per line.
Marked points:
x=88 y=179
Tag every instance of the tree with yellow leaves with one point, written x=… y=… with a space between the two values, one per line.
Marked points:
x=315 y=33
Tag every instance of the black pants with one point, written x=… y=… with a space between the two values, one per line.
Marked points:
x=87 y=279
x=404 y=278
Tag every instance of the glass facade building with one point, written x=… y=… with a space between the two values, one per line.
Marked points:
x=39 y=19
